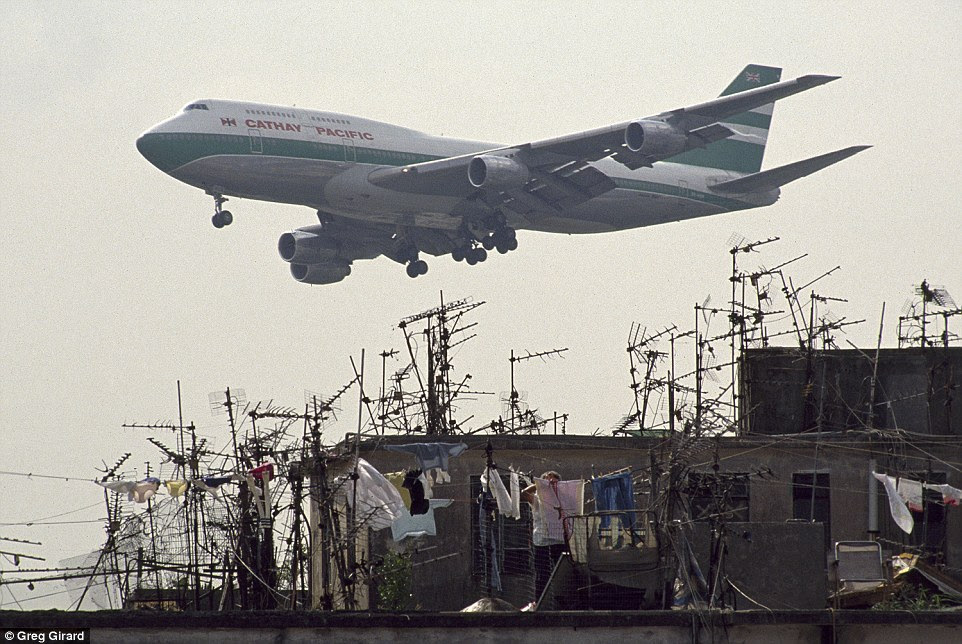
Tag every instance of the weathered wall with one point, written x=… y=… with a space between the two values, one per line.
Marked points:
x=916 y=390
x=443 y=573
x=667 y=627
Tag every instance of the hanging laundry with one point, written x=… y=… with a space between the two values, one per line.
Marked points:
x=690 y=586
x=950 y=495
x=900 y=513
x=911 y=493
x=259 y=471
x=489 y=545
x=121 y=487
x=379 y=503
x=559 y=500
x=176 y=488
x=418 y=526
x=414 y=485
x=144 y=489
x=433 y=458
x=501 y=495
x=514 y=484
x=614 y=492
x=212 y=484
x=397 y=480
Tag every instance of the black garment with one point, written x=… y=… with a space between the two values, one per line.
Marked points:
x=419 y=504
x=545 y=558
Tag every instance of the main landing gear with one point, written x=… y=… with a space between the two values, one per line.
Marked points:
x=221 y=217
x=503 y=240
x=416 y=267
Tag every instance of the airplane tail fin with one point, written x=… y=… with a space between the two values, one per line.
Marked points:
x=776 y=177
x=743 y=152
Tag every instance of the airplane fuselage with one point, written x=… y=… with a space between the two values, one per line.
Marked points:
x=323 y=160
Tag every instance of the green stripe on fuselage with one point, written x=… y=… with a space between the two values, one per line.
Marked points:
x=171 y=151
x=638 y=185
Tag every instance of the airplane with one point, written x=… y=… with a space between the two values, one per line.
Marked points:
x=380 y=189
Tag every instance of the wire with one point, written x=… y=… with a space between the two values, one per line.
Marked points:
x=46 y=476
x=33 y=523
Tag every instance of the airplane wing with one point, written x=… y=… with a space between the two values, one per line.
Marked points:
x=771 y=179
x=547 y=176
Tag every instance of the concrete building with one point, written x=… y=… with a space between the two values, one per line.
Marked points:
x=774 y=493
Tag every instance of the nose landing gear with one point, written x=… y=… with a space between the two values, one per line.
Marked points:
x=221 y=217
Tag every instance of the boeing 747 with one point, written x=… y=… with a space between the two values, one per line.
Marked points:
x=380 y=189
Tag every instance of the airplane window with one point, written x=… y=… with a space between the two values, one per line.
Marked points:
x=196 y=106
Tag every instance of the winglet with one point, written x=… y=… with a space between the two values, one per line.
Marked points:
x=771 y=179
x=814 y=80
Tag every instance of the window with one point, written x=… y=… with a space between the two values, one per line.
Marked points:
x=196 y=106
x=812 y=501
x=723 y=496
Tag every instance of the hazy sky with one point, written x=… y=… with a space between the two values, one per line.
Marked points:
x=114 y=284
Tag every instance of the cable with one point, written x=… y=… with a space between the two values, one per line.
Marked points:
x=45 y=476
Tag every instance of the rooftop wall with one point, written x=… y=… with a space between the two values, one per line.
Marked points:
x=916 y=389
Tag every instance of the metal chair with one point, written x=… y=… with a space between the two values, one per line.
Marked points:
x=858 y=569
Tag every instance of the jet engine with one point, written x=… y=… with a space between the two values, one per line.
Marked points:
x=654 y=138
x=496 y=173
x=306 y=246
x=322 y=273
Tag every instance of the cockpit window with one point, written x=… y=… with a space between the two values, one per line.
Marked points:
x=196 y=106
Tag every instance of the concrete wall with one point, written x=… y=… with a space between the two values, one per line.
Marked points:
x=668 y=627
x=443 y=572
x=916 y=390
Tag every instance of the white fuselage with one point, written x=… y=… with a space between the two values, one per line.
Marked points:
x=322 y=160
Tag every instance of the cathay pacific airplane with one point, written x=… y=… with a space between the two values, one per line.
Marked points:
x=380 y=189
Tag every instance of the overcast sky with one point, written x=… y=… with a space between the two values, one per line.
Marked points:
x=114 y=284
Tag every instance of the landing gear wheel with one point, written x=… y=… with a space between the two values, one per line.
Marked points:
x=480 y=254
x=471 y=258
x=458 y=254
x=489 y=242
x=221 y=217
x=417 y=267
x=511 y=244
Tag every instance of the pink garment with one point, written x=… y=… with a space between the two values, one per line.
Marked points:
x=138 y=492
x=558 y=502
x=259 y=471
x=950 y=495
x=144 y=490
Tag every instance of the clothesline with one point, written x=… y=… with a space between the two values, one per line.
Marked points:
x=905 y=494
